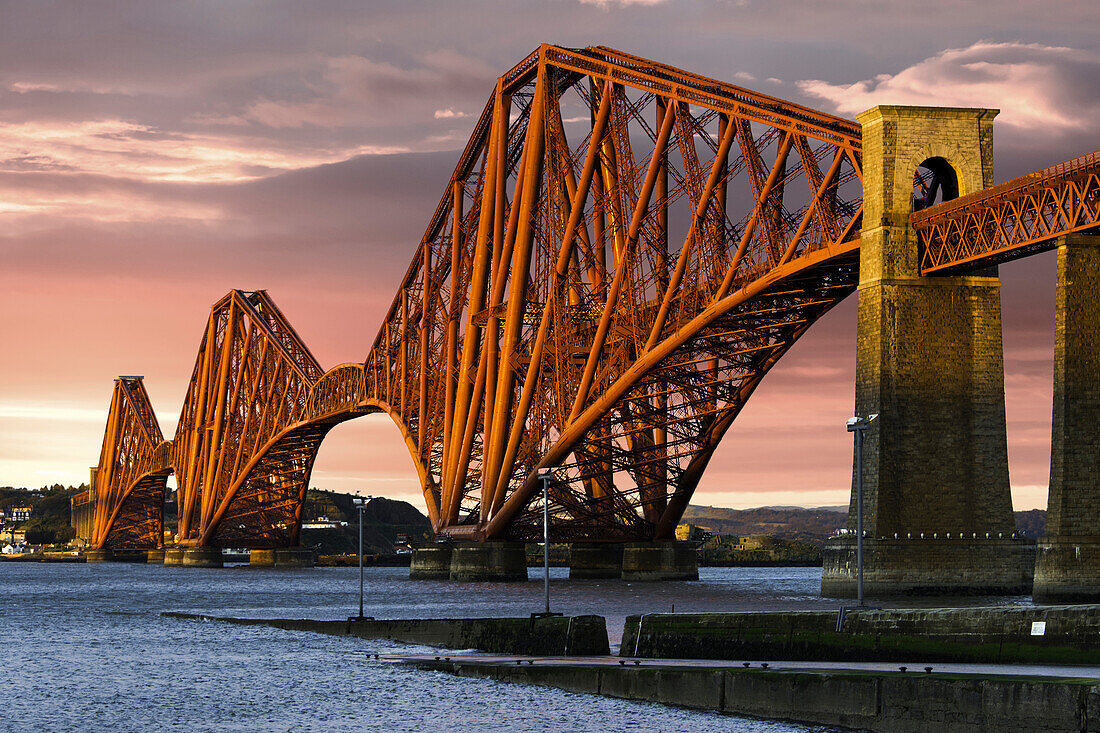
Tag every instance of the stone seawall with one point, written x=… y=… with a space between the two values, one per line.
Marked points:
x=882 y=701
x=1069 y=635
x=554 y=635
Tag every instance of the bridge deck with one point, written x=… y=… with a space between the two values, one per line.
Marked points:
x=1012 y=219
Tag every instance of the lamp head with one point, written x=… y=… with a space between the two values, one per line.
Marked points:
x=860 y=423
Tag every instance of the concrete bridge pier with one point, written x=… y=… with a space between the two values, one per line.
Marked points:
x=281 y=557
x=661 y=560
x=937 y=507
x=97 y=556
x=131 y=555
x=501 y=562
x=595 y=560
x=173 y=556
x=1067 y=567
x=120 y=555
x=202 y=557
x=431 y=562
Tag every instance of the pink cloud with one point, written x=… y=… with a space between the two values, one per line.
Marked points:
x=114 y=147
x=620 y=3
x=1036 y=87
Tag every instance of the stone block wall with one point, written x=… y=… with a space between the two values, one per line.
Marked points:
x=1070 y=635
x=1074 y=503
x=545 y=636
x=1068 y=563
x=929 y=351
x=937 y=565
x=883 y=701
x=929 y=363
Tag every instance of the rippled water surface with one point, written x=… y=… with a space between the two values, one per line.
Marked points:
x=85 y=648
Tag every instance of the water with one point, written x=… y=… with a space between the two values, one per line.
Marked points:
x=84 y=647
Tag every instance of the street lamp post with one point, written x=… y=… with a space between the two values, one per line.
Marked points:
x=361 y=504
x=858 y=425
x=545 y=477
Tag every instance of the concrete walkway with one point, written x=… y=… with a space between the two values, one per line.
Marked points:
x=959 y=697
x=912 y=667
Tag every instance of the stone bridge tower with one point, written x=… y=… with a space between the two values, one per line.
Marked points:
x=1067 y=569
x=937 y=507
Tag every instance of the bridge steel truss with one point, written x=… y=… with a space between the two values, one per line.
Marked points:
x=609 y=318
x=1010 y=220
x=130 y=481
x=622 y=253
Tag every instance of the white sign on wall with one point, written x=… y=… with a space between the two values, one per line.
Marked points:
x=1038 y=628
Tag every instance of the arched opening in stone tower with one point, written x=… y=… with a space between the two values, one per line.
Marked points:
x=934 y=182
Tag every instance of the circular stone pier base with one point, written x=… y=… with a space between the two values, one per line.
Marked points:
x=593 y=560
x=104 y=555
x=663 y=560
x=431 y=562
x=502 y=562
x=281 y=557
x=202 y=557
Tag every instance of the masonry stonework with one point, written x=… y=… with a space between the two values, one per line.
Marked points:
x=930 y=364
x=1068 y=563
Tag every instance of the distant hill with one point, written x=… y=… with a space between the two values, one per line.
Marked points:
x=383 y=520
x=809 y=525
x=50 y=515
x=1032 y=522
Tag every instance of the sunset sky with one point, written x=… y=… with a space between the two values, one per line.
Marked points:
x=154 y=155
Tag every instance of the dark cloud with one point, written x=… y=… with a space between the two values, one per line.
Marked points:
x=34 y=163
x=338 y=75
x=368 y=212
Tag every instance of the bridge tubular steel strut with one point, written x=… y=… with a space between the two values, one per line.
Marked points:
x=130 y=481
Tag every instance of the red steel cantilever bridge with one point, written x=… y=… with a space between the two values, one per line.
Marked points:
x=622 y=253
